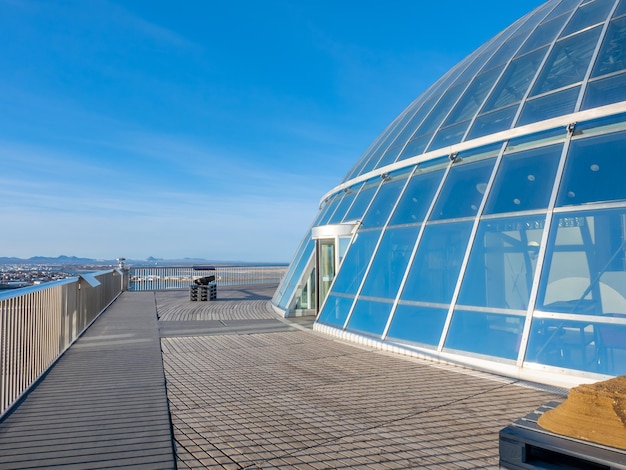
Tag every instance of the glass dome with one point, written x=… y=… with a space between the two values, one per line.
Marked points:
x=486 y=225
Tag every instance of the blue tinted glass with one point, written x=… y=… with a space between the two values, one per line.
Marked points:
x=362 y=201
x=344 y=205
x=507 y=49
x=335 y=310
x=524 y=180
x=484 y=333
x=305 y=256
x=495 y=121
x=432 y=122
x=549 y=106
x=591 y=347
x=567 y=62
x=473 y=97
x=585 y=267
x=449 y=136
x=390 y=262
x=370 y=317
x=354 y=264
x=463 y=190
x=418 y=324
x=515 y=82
x=612 y=56
x=381 y=207
x=416 y=146
x=594 y=170
x=328 y=210
x=437 y=263
x=588 y=15
x=544 y=34
x=605 y=91
x=417 y=198
x=502 y=263
x=621 y=8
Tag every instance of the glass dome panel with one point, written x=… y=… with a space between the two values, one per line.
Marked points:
x=385 y=200
x=594 y=170
x=514 y=84
x=302 y=261
x=415 y=146
x=502 y=263
x=605 y=91
x=344 y=204
x=621 y=8
x=434 y=271
x=335 y=310
x=362 y=201
x=567 y=63
x=563 y=7
x=585 y=271
x=545 y=34
x=390 y=262
x=431 y=321
x=370 y=316
x=548 y=106
x=417 y=198
x=355 y=262
x=569 y=344
x=463 y=190
x=493 y=122
x=449 y=136
x=524 y=180
x=588 y=15
x=432 y=122
x=485 y=333
x=612 y=55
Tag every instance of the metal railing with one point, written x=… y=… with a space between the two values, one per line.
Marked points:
x=37 y=324
x=151 y=278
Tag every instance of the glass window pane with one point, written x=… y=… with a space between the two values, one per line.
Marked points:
x=549 y=106
x=612 y=56
x=621 y=8
x=567 y=62
x=449 y=136
x=362 y=201
x=502 y=263
x=586 y=346
x=436 y=266
x=524 y=180
x=355 y=262
x=432 y=122
x=422 y=325
x=605 y=91
x=417 y=198
x=370 y=317
x=390 y=262
x=484 y=333
x=295 y=277
x=463 y=190
x=415 y=146
x=381 y=207
x=543 y=35
x=493 y=122
x=344 y=205
x=588 y=15
x=335 y=310
x=594 y=170
x=473 y=97
x=585 y=267
x=515 y=82
x=506 y=51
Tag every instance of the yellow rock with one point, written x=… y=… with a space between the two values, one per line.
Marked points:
x=595 y=413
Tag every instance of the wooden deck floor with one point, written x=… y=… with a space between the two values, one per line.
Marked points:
x=248 y=390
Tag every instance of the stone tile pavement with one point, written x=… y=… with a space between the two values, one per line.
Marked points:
x=293 y=398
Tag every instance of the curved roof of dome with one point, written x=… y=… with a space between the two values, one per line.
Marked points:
x=565 y=56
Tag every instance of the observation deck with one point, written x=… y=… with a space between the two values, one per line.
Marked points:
x=158 y=381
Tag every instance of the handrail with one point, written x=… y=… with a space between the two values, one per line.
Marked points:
x=39 y=323
x=155 y=278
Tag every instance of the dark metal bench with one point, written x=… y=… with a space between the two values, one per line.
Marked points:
x=203 y=288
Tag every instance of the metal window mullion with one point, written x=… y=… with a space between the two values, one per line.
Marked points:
x=541 y=66
x=594 y=57
x=468 y=249
x=542 y=252
x=407 y=270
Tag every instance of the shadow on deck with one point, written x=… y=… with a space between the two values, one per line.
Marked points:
x=162 y=382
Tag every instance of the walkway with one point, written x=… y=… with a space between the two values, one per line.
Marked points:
x=249 y=390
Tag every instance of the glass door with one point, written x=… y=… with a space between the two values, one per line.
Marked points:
x=326 y=267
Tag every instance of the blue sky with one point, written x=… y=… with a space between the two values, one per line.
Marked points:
x=197 y=128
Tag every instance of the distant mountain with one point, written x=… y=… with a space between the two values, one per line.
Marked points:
x=49 y=260
x=150 y=261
